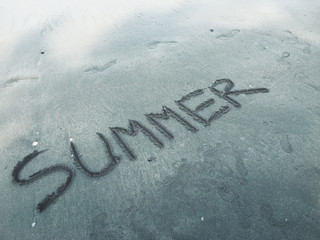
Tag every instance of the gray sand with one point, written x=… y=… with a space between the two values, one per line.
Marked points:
x=73 y=69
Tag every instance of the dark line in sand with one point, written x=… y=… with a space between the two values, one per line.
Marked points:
x=102 y=68
x=13 y=80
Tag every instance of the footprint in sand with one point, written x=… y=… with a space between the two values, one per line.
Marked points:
x=283 y=59
x=266 y=212
x=155 y=44
x=229 y=34
x=240 y=165
x=285 y=144
x=295 y=40
x=102 y=68
x=26 y=77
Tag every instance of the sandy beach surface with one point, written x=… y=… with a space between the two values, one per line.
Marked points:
x=207 y=114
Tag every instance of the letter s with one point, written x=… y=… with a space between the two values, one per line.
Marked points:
x=49 y=199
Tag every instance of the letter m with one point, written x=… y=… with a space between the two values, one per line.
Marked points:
x=132 y=130
x=165 y=115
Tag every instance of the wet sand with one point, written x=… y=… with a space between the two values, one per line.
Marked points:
x=236 y=166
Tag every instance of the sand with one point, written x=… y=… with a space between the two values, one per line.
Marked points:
x=70 y=69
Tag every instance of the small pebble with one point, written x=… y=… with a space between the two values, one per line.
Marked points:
x=211 y=30
x=33 y=224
